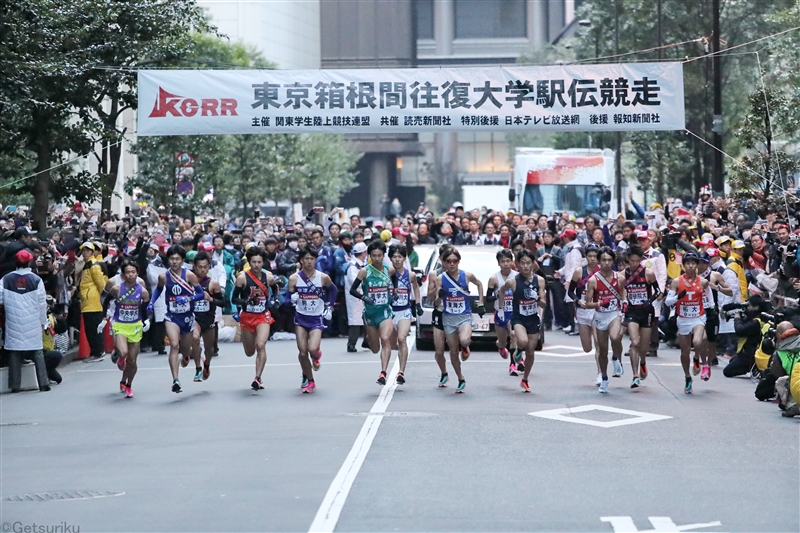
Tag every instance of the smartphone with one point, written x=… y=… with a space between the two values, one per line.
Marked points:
x=257 y=214
x=127 y=210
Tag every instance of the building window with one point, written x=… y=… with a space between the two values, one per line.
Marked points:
x=424 y=19
x=487 y=19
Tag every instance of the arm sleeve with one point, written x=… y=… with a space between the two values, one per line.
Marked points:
x=656 y=292
x=672 y=298
x=353 y=289
x=333 y=292
x=238 y=297
x=199 y=293
x=156 y=293
x=218 y=299
x=573 y=285
x=639 y=209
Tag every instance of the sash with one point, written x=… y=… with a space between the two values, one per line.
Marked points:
x=610 y=288
x=182 y=282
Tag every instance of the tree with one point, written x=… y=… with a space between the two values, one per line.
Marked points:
x=761 y=176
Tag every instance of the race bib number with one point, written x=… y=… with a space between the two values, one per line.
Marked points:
x=402 y=297
x=128 y=314
x=178 y=309
x=260 y=307
x=508 y=305
x=528 y=307
x=202 y=306
x=308 y=303
x=455 y=305
x=637 y=296
x=612 y=306
x=380 y=295
x=690 y=311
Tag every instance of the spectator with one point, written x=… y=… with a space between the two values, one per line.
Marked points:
x=92 y=284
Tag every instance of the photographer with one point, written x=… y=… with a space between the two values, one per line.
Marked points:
x=749 y=329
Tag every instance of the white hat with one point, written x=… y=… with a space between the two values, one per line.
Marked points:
x=359 y=248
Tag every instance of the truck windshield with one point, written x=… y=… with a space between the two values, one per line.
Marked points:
x=579 y=200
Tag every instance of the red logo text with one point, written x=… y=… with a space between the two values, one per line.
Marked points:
x=178 y=106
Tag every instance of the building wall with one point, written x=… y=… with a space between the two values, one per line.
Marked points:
x=285 y=31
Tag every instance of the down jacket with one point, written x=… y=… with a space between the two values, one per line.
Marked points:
x=23 y=295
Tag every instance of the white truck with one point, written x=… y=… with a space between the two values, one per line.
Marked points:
x=578 y=180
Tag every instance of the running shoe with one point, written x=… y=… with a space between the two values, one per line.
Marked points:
x=304 y=383
x=315 y=359
x=176 y=386
x=517 y=355
x=464 y=353
x=521 y=366
x=504 y=353
x=598 y=380
x=687 y=388
x=643 y=371
x=512 y=370
x=206 y=369
x=121 y=362
x=443 y=379
x=696 y=366
x=128 y=392
x=114 y=356
x=381 y=378
x=618 y=368
x=185 y=361
x=462 y=384
x=401 y=379
x=636 y=382
x=604 y=386
x=705 y=374
x=309 y=388
x=122 y=386
x=257 y=384
x=525 y=386
x=198 y=376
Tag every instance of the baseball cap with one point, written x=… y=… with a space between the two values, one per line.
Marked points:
x=399 y=231
x=723 y=239
x=386 y=235
x=88 y=245
x=569 y=232
x=23 y=230
x=378 y=224
x=642 y=234
x=712 y=252
x=154 y=246
x=24 y=256
x=359 y=248
x=457 y=204
x=206 y=246
x=738 y=244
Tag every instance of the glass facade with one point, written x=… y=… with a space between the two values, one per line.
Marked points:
x=490 y=19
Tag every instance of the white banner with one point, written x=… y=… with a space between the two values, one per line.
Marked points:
x=611 y=97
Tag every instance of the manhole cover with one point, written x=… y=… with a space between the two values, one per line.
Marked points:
x=6 y=424
x=394 y=413
x=65 y=495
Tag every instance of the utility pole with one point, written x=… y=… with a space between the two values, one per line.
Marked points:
x=717 y=182
x=618 y=138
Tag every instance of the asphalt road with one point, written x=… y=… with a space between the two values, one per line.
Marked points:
x=220 y=457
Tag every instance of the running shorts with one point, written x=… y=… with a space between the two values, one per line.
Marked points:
x=205 y=320
x=131 y=330
x=405 y=314
x=584 y=316
x=451 y=323
x=184 y=322
x=532 y=324
x=602 y=320
x=309 y=322
x=436 y=319
x=644 y=315
x=686 y=325
x=251 y=321
x=375 y=314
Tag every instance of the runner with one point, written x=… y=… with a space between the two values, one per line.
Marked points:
x=252 y=293
x=313 y=295
x=439 y=337
x=377 y=304
x=182 y=290
x=687 y=292
x=584 y=317
x=503 y=329
x=640 y=318
x=528 y=296
x=405 y=305
x=127 y=325
x=716 y=284
x=453 y=288
x=605 y=293
x=205 y=311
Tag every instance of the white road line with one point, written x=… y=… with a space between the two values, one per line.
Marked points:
x=233 y=366
x=328 y=513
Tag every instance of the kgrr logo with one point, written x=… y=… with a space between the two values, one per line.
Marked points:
x=178 y=106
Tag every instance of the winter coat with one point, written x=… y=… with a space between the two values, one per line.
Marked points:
x=23 y=295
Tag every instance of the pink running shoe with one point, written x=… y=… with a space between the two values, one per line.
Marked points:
x=512 y=369
x=504 y=353
x=128 y=392
x=308 y=389
x=705 y=373
x=315 y=360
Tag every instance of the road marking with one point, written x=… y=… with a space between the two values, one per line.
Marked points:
x=234 y=366
x=328 y=513
x=559 y=350
x=624 y=524
x=636 y=417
